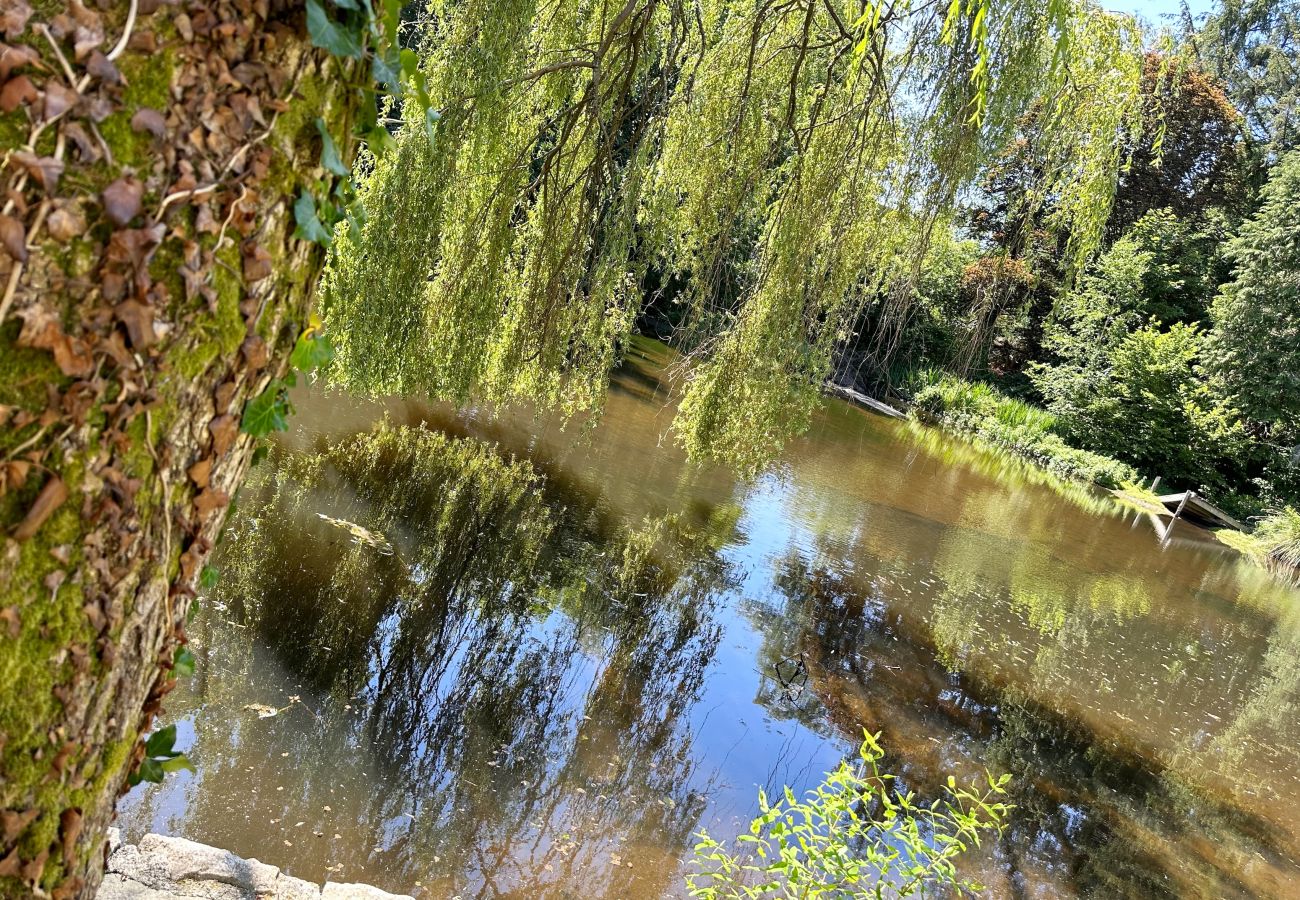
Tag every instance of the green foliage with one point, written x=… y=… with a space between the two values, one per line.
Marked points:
x=269 y=411
x=980 y=410
x=1252 y=46
x=505 y=237
x=182 y=662
x=160 y=758
x=1255 y=342
x=1279 y=535
x=1144 y=402
x=854 y=835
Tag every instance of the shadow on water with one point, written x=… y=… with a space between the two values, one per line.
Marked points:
x=494 y=657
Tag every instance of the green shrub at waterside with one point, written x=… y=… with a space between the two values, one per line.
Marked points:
x=980 y=410
x=854 y=835
x=1279 y=536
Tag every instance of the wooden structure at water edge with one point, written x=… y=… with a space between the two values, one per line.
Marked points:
x=1188 y=505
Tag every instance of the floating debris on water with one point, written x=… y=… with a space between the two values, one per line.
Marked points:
x=361 y=535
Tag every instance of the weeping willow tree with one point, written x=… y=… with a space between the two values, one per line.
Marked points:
x=783 y=160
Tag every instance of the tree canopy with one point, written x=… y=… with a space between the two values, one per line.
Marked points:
x=788 y=161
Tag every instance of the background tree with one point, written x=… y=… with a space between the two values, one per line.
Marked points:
x=1253 y=47
x=1190 y=157
x=1255 y=341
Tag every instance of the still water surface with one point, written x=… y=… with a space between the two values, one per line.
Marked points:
x=523 y=661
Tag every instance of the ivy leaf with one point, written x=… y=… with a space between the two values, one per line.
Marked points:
x=176 y=763
x=309 y=227
x=387 y=70
x=329 y=152
x=266 y=412
x=208 y=577
x=161 y=742
x=329 y=35
x=310 y=353
x=183 y=663
x=150 y=770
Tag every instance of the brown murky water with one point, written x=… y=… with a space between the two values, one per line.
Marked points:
x=542 y=678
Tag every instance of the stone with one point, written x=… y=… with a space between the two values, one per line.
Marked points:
x=289 y=888
x=170 y=868
x=335 y=891
x=193 y=869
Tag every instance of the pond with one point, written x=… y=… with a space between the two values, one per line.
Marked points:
x=469 y=657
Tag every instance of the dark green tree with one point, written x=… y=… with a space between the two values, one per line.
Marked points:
x=1255 y=342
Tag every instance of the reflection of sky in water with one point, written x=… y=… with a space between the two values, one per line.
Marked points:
x=1143 y=696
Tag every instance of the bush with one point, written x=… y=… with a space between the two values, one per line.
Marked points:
x=1279 y=535
x=978 y=409
x=854 y=835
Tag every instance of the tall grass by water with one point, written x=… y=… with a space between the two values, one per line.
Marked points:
x=980 y=410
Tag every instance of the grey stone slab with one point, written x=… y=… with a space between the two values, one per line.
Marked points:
x=170 y=868
x=335 y=891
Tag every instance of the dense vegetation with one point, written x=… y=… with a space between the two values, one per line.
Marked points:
x=1093 y=221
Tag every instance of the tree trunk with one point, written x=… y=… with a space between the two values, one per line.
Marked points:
x=152 y=286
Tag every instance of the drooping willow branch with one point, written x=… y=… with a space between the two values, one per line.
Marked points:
x=784 y=161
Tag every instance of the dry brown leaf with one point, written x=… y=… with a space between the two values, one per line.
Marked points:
x=102 y=68
x=257 y=262
x=13 y=235
x=224 y=430
x=255 y=352
x=45 y=169
x=122 y=199
x=14 y=16
x=58 y=99
x=138 y=320
x=87 y=148
x=48 y=500
x=200 y=473
x=150 y=120
x=209 y=500
x=13 y=57
x=13 y=822
x=18 y=91
x=13 y=626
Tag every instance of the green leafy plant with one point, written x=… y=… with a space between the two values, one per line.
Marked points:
x=160 y=758
x=270 y=410
x=854 y=835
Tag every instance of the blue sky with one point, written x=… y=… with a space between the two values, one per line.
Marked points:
x=1153 y=10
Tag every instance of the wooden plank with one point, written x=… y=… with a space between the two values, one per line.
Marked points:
x=863 y=400
x=1196 y=506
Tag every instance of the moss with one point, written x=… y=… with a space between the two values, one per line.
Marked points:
x=14 y=129
x=221 y=334
x=148 y=84
x=24 y=374
x=37 y=660
x=165 y=268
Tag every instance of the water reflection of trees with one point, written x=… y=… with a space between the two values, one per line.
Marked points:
x=513 y=680
x=1028 y=666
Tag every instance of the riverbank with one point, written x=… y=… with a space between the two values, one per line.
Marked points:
x=170 y=868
